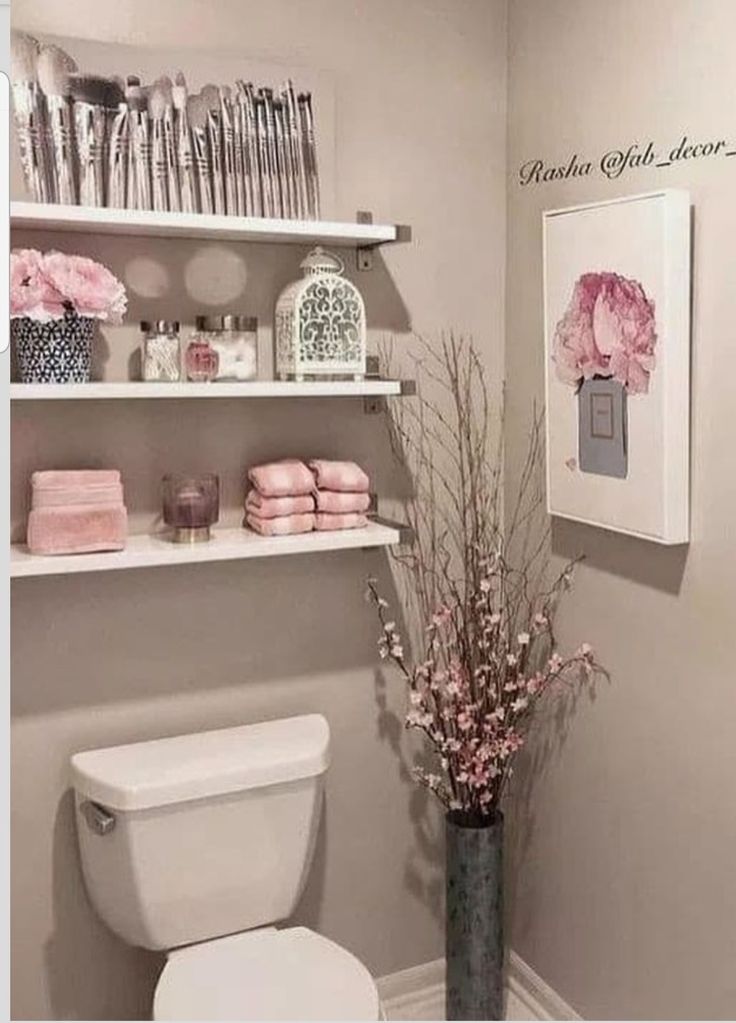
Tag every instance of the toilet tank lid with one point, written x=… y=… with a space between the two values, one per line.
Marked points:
x=142 y=775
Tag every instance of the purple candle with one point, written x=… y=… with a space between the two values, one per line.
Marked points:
x=191 y=505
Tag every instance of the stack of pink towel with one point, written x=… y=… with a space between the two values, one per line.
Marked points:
x=342 y=496
x=76 y=512
x=291 y=497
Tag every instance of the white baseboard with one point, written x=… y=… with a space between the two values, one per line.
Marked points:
x=419 y=994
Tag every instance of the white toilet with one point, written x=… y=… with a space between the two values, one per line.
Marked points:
x=197 y=845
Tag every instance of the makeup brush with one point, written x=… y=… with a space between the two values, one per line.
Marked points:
x=54 y=67
x=281 y=153
x=297 y=153
x=264 y=166
x=310 y=154
x=28 y=104
x=211 y=96
x=172 y=163
x=254 y=195
x=139 y=146
x=228 y=149
x=117 y=145
x=273 y=168
x=90 y=94
x=237 y=118
x=183 y=146
x=159 y=165
x=197 y=115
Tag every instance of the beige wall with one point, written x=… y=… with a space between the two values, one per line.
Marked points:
x=626 y=901
x=420 y=137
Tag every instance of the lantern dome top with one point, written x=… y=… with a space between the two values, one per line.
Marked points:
x=319 y=261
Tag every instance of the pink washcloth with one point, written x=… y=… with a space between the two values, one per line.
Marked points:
x=75 y=478
x=339 y=476
x=289 y=478
x=276 y=507
x=54 y=497
x=287 y=525
x=325 y=521
x=339 y=503
x=77 y=530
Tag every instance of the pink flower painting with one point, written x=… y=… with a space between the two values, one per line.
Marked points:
x=608 y=330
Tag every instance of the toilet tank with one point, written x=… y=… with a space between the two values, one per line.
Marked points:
x=198 y=836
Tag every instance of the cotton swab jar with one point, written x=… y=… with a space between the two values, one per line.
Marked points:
x=161 y=351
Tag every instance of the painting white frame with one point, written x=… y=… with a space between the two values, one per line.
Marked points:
x=663 y=514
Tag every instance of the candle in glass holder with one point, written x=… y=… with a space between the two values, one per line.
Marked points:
x=191 y=506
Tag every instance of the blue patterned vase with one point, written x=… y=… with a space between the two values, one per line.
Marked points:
x=474 y=917
x=57 y=352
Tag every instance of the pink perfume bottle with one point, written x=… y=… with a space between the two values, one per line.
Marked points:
x=201 y=360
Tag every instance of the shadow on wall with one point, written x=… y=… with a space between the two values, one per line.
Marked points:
x=90 y=973
x=649 y=564
x=546 y=743
x=425 y=868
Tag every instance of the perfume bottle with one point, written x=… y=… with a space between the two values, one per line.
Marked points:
x=201 y=360
x=191 y=505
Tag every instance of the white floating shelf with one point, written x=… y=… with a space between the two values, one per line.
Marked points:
x=256 y=389
x=101 y=220
x=226 y=545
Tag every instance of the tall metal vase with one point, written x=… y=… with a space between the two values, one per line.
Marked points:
x=474 y=917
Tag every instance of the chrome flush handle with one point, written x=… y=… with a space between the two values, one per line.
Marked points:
x=98 y=819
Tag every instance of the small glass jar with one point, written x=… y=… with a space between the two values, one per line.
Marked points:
x=235 y=339
x=200 y=358
x=191 y=505
x=160 y=351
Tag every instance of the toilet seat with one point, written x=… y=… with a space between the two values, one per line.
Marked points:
x=266 y=974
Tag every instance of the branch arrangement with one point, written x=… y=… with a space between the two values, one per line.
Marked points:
x=477 y=581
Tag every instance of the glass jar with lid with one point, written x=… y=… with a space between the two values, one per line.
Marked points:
x=235 y=339
x=160 y=351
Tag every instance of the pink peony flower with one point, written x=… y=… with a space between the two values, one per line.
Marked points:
x=31 y=294
x=89 y=288
x=608 y=330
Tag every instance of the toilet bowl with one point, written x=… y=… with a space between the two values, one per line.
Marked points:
x=198 y=845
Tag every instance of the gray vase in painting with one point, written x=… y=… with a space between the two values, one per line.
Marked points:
x=602 y=428
x=474 y=916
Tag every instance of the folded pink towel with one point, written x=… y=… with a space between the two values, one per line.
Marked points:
x=339 y=476
x=289 y=478
x=286 y=525
x=75 y=477
x=275 y=507
x=78 y=530
x=339 y=502
x=325 y=521
x=54 y=497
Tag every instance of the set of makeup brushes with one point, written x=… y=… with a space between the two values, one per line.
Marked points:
x=95 y=141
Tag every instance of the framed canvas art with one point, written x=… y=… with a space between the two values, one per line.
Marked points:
x=617 y=362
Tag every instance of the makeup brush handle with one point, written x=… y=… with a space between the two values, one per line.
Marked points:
x=203 y=171
x=185 y=160
x=62 y=170
x=117 y=157
x=217 y=169
x=89 y=124
x=252 y=178
x=172 y=165
x=231 y=179
x=238 y=160
x=159 y=188
x=31 y=140
x=139 y=160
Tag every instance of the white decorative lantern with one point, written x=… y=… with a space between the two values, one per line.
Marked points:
x=320 y=323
